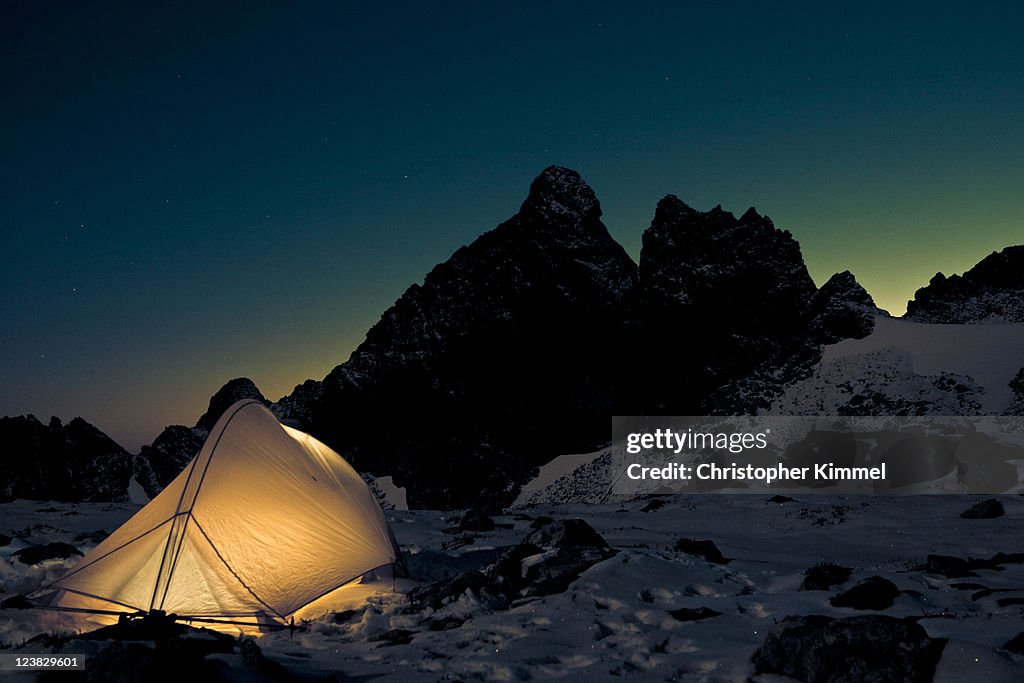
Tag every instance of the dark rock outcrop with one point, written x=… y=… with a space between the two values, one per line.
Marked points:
x=704 y=549
x=298 y=406
x=565 y=533
x=549 y=559
x=780 y=499
x=823 y=576
x=991 y=291
x=34 y=554
x=724 y=305
x=1017 y=386
x=235 y=390
x=947 y=565
x=138 y=651
x=819 y=649
x=172 y=449
x=73 y=462
x=476 y=520
x=842 y=309
x=958 y=567
x=503 y=358
x=874 y=593
x=693 y=613
x=1015 y=644
x=160 y=462
x=986 y=509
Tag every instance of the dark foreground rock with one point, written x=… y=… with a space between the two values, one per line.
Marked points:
x=565 y=533
x=159 y=650
x=550 y=558
x=873 y=593
x=1015 y=644
x=780 y=499
x=986 y=509
x=693 y=613
x=820 y=649
x=34 y=554
x=1017 y=387
x=957 y=567
x=948 y=566
x=704 y=549
x=823 y=576
x=476 y=520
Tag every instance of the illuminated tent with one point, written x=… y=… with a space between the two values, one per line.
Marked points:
x=263 y=521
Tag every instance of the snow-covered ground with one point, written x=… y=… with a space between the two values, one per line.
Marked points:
x=904 y=355
x=615 y=618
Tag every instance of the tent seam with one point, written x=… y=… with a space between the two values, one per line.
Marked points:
x=109 y=553
x=199 y=485
x=97 y=597
x=228 y=566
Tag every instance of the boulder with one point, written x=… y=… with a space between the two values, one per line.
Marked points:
x=874 y=593
x=476 y=520
x=823 y=576
x=564 y=533
x=34 y=554
x=986 y=509
x=704 y=549
x=875 y=648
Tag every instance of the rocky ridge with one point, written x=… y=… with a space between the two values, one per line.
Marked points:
x=991 y=291
x=158 y=463
x=73 y=462
x=519 y=346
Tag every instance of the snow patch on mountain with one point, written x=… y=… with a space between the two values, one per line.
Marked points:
x=915 y=368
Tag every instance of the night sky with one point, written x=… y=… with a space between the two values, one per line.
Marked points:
x=191 y=194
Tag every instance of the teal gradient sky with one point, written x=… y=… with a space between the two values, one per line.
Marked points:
x=191 y=194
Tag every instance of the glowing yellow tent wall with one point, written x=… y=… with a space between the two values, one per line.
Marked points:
x=263 y=521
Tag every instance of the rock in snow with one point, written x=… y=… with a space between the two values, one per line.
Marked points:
x=34 y=554
x=874 y=593
x=819 y=649
x=823 y=576
x=704 y=549
x=986 y=509
x=550 y=558
x=1017 y=386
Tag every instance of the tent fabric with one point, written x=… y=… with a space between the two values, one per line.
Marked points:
x=263 y=521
